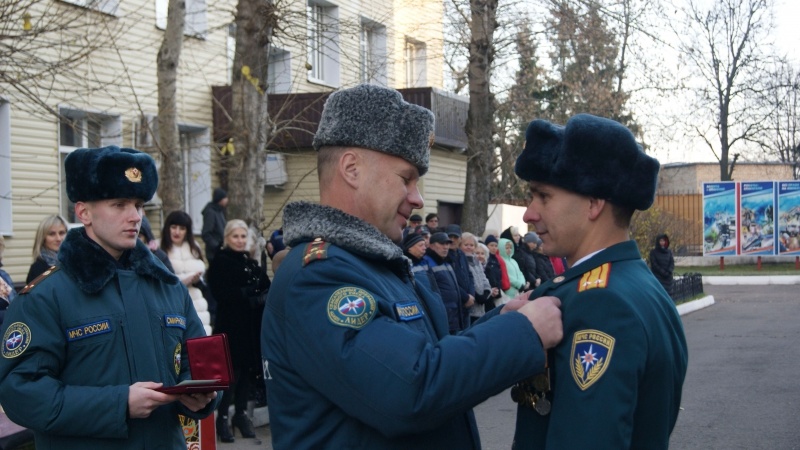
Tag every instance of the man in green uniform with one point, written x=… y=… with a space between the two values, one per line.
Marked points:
x=615 y=380
x=87 y=344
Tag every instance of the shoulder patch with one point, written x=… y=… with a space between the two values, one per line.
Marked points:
x=351 y=307
x=37 y=280
x=316 y=250
x=591 y=356
x=16 y=340
x=596 y=278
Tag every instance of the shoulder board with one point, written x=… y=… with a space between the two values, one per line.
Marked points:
x=596 y=278
x=315 y=250
x=37 y=280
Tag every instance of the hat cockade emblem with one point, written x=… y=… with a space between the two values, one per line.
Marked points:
x=431 y=139
x=134 y=175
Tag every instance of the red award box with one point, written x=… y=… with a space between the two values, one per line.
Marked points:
x=209 y=364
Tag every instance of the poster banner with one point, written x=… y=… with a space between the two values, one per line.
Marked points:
x=720 y=218
x=199 y=435
x=789 y=218
x=757 y=218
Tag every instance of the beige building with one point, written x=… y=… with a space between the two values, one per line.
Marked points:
x=688 y=178
x=109 y=97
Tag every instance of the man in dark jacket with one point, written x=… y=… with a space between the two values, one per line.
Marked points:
x=662 y=263
x=544 y=268
x=356 y=355
x=527 y=248
x=466 y=281
x=214 y=222
x=456 y=301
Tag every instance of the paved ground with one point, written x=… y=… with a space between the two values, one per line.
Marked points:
x=741 y=390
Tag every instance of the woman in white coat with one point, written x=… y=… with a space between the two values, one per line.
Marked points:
x=178 y=243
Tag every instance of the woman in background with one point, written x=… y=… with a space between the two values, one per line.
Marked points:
x=7 y=292
x=186 y=258
x=240 y=286
x=515 y=276
x=483 y=289
x=49 y=236
x=491 y=269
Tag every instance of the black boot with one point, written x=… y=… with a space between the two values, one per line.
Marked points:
x=243 y=423
x=224 y=432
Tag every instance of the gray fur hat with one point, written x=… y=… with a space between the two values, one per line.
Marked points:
x=377 y=118
x=591 y=156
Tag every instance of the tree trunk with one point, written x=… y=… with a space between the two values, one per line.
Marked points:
x=171 y=179
x=480 y=121
x=251 y=124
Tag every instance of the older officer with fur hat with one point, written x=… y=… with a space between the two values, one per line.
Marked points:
x=615 y=382
x=357 y=355
x=89 y=342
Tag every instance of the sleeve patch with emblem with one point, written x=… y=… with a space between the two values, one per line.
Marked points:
x=591 y=356
x=16 y=340
x=596 y=278
x=351 y=307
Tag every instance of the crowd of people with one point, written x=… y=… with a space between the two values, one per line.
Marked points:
x=379 y=329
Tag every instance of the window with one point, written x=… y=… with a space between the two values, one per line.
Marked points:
x=5 y=168
x=76 y=129
x=104 y=6
x=415 y=59
x=279 y=71
x=196 y=158
x=372 y=53
x=196 y=148
x=323 y=54
x=196 y=17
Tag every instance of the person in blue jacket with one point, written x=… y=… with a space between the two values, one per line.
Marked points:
x=355 y=354
x=455 y=300
x=88 y=343
x=615 y=381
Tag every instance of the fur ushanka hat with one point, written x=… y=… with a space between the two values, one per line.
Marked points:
x=110 y=172
x=377 y=118
x=590 y=156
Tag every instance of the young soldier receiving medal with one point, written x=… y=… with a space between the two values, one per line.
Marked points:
x=615 y=380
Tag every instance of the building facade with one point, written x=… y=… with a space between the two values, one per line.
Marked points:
x=87 y=77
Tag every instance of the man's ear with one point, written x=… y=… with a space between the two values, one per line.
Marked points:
x=83 y=213
x=596 y=207
x=350 y=166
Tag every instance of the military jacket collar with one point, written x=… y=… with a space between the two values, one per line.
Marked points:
x=305 y=221
x=92 y=267
x=618 y=252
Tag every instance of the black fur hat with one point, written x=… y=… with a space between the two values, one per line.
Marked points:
x=377 y=118
x=110 y=172
x=591 y=156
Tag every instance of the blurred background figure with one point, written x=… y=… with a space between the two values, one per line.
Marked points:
x=146 y=236
x=492 y=272
x=178 y=243
x=483 y=290
x=214 y=222
x=7 y=292
x=544 y=268
x=662 y=263
x=495 y=260
x=515 y=276
x=240 y=286
x=49 y=236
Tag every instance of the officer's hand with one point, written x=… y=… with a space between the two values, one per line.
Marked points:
x=197 y=401
x=545 y=315
x=142 y=399
x=520 y=300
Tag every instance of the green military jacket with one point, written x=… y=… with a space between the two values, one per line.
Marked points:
x=76 y=340
x=616 y=378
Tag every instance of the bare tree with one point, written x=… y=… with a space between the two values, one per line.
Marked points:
x=170 y=186
x=251 y=124
x=480 y=119
x=725 y=46
x=781 y=139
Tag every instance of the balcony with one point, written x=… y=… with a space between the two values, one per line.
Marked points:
x=297 y=116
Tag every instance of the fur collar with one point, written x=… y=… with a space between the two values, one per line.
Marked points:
x=92 y=267
x=305 y=221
